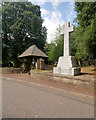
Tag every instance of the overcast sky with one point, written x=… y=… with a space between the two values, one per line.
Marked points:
x=55 y=14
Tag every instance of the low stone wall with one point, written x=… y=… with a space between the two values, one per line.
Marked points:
x=11 y=70
x=75 y=80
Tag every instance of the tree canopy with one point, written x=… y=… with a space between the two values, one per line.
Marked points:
x=21 y=28
x=56 y=47
x=83 y=40
x=86 y=30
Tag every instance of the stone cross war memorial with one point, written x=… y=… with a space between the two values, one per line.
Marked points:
x=67 y=64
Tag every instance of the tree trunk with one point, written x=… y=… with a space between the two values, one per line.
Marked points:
x=16 y=63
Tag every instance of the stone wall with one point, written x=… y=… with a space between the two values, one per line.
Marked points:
x=75 y=80
x=10 y=70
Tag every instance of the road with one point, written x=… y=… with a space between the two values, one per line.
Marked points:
x=21 y=100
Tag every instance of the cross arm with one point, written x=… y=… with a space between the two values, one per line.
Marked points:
x=71 y=29
x=62 y=32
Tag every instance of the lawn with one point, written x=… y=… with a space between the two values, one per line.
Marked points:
x=88 y=69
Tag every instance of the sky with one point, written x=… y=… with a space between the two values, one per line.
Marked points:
x=55 y=14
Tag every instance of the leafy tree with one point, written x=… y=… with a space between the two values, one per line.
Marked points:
x=86 y=30
x=56 y=47
x=21 y=28
x=73 y=44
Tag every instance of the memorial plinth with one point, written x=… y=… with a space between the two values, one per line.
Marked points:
x=67 y=64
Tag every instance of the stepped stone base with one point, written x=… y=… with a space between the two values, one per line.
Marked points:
x=67 y=71
x=67 y=65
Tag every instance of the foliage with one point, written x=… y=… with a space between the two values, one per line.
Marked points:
x=21 y=28
x=86 y=30
x=83 y=40
x=55 y=48
x=73 y=44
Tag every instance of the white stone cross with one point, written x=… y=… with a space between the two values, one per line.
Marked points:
x=66 y=33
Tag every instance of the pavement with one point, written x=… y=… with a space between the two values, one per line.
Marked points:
x=23 y=99
x=57 y=84
x=81 y=96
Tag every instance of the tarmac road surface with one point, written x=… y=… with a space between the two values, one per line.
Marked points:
x=21 y=100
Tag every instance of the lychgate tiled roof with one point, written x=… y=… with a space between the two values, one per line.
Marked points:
x=33 y=51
